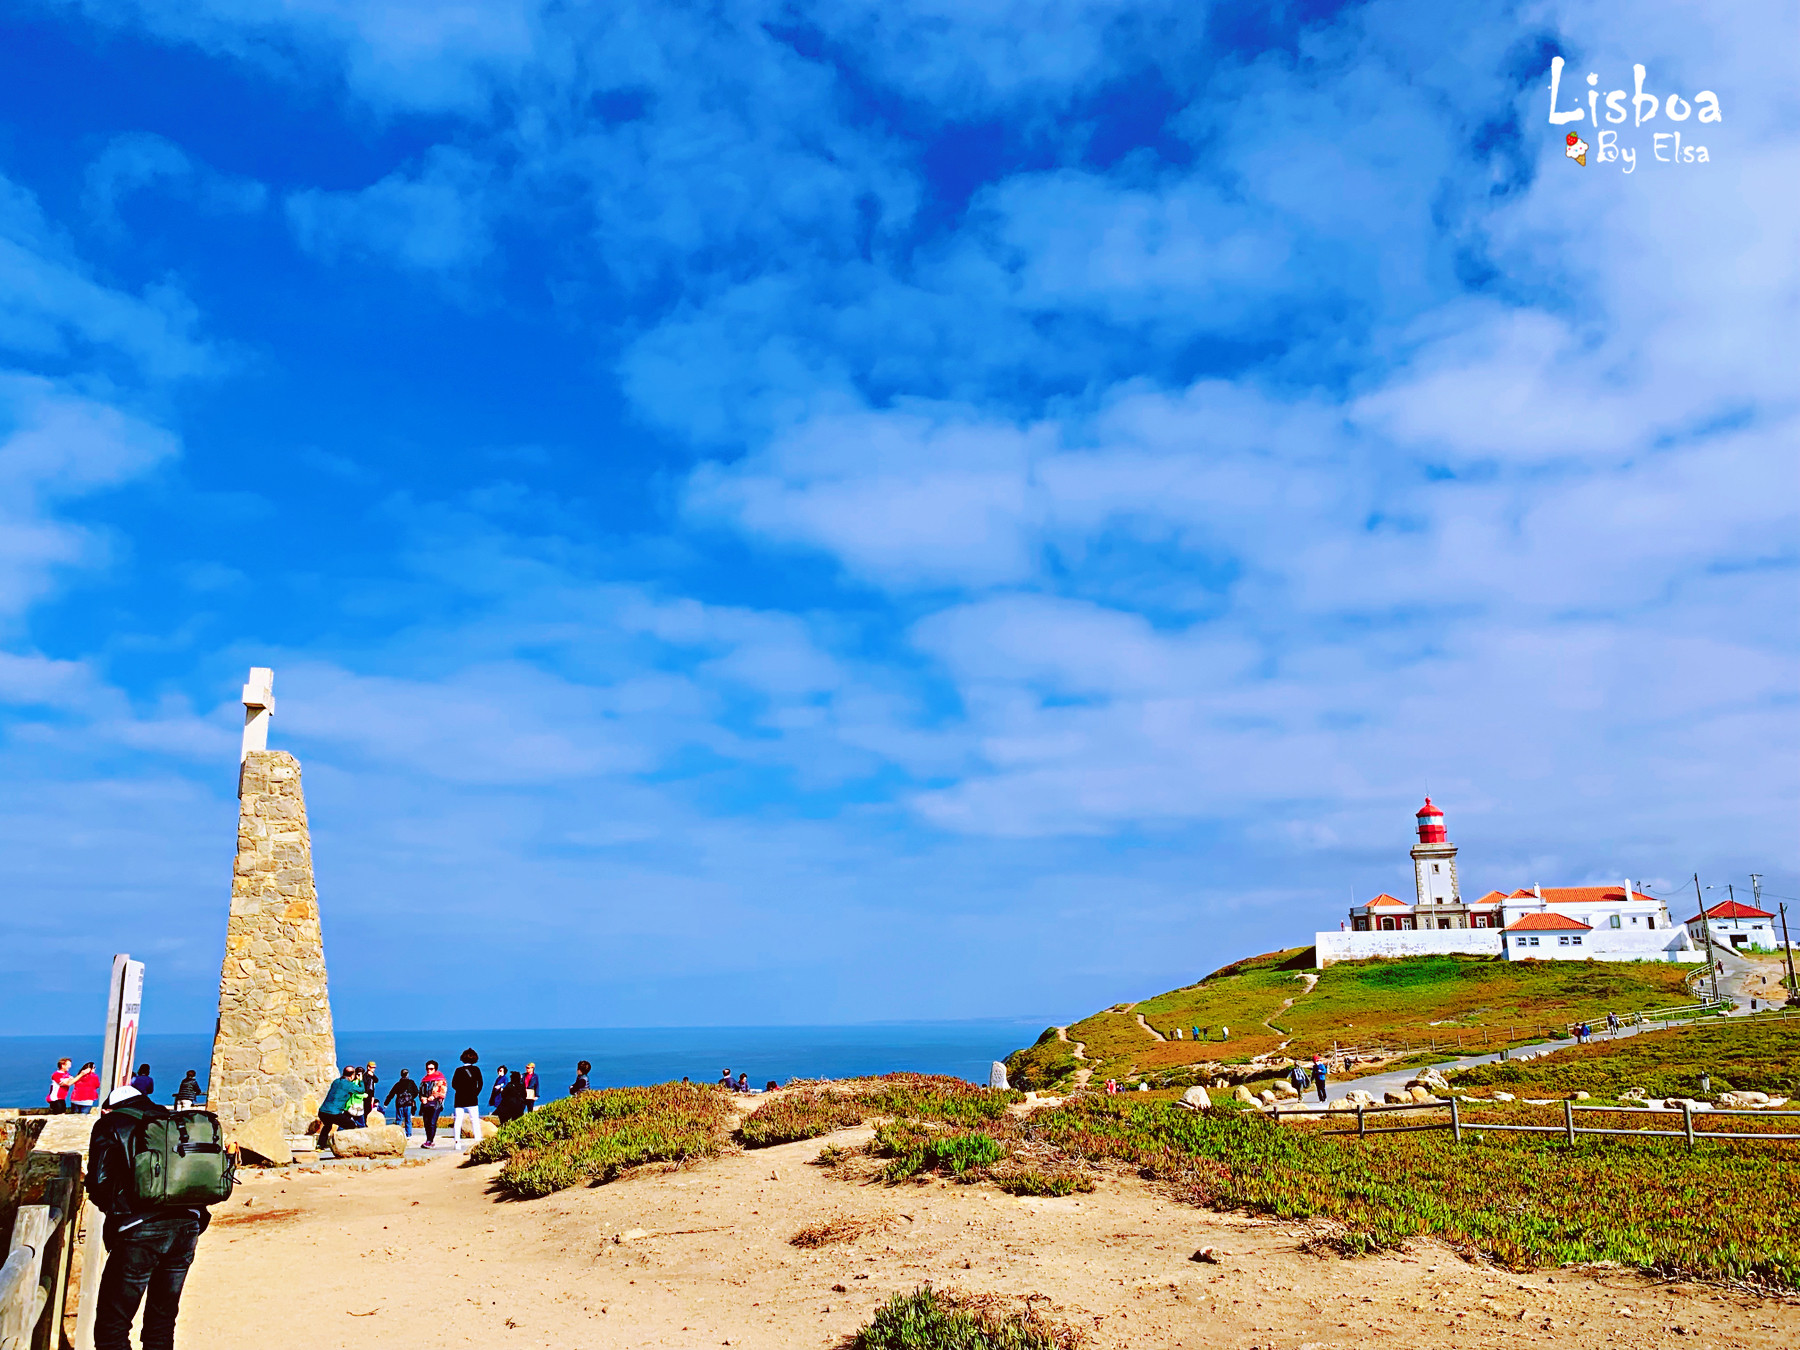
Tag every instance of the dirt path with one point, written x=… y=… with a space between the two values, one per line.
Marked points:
x=1154 y=1033
x=1287 y=1003
x=424 y=1256
x=1084 y=1073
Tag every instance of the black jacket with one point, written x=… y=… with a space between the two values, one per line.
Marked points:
x=405 y=1091
x=109 y=1179
x=466 y=1084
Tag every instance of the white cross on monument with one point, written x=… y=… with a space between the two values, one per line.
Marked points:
x=259 y=703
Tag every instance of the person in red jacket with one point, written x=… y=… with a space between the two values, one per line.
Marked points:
x=58 y=1100
x=85 y=1090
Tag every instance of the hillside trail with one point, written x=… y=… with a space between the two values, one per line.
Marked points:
x=1154 y=1033
x=1083 y=1073
x=1286 y=1003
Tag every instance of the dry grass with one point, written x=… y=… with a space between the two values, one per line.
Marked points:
x=817 y=1235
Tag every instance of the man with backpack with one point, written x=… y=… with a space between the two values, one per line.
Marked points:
x=153 y=1172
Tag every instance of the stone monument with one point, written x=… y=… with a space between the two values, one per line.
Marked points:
x=273 y=1050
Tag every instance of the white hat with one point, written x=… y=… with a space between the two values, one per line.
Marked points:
x=120 y=1095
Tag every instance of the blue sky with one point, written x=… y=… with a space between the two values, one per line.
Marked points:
x=784 y=512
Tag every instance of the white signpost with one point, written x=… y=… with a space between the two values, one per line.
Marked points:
x=124 y=1005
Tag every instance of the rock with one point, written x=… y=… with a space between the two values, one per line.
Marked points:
x=1774 y=1103
x=1504 y=1097
x=375 y=1118
x=1540 y=1101
x=265 y=1136
x=387 y=1141
x=631 y=1235
x=997 y=1075
x=1583 y=1096
x=1341 y=1104
x=1421 y=1094
x=1220 y=1085
x=1266 y=1097
x=1394 y=1098
x=1244 y=1095
x=1744 y=1101
x=1360 y=1098
x=1195 y=1099
x=1434 y=1080
x=1210 y=1255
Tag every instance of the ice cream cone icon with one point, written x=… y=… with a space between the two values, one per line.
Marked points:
x=1577 y=150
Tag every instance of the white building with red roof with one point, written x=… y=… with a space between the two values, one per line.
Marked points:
x=1735 y=924
x=1543 y=923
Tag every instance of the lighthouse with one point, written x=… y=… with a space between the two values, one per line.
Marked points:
x=1434 y=870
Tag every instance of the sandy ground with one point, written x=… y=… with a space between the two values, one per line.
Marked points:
x=426 y=1255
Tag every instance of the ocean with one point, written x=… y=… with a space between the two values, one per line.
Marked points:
x=621 y=1056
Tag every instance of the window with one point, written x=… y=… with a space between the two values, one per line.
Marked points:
x=1443 y=923
x=1434 y=867
x=1562 y=941
x=1387 y=924
x=1634 y=921
x=1533 y=941
x=1615 y=921
x=1575 y=941
x=1651 y=922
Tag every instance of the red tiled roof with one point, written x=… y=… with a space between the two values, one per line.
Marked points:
x=1492 y=898
x=1732 y=909
x=1581 y=895
x=1548 y=923
x=1385 y=899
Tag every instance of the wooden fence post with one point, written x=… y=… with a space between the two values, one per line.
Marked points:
x=1569 y=1118
x=1362 y=1128
x=1687 y=1122
x=1456 y=1118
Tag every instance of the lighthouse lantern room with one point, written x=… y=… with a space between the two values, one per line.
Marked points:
x=1434 y=865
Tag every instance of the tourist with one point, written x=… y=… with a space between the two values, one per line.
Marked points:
x=512 y=1099
x=1224 y=1033
x=582 y=1070
x=60 y=1079
x=84 y=1091
x=499 y=1087
x=1319 y=1075
x=466 y=1084
x=432 y=1090
x=189 y=1091
x=142 y=1081
x=1112 y=1087
x=148 y=1249
x=1298 y=1078
x=338 y=1110
x=743 y=1082
x=371 y=1088
x=401 y=1097
x=529 y=1080
x=725 y=1079
x=1196 y=1031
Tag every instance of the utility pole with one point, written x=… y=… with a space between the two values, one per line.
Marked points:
x=1788 y=946
x=1712 y=966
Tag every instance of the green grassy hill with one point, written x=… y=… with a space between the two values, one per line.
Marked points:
x=1277 y=1000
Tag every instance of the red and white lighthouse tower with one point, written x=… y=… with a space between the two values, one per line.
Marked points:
x=1434 y=867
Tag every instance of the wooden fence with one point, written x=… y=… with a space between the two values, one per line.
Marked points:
x=1459 y=1125
x=34 y=1280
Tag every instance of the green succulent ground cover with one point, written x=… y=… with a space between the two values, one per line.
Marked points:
x=809 y=1113
x=1746 y=1054
x=1522 y=1200
x=1048 y=1062
x=928 y=1319
x=589 y=1138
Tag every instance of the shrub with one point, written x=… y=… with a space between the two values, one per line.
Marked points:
x=927 y=1319
x=590 y=1138
x=799 y=1115
x=915 y=1148
x=1034 y=1182
x=811 y=1112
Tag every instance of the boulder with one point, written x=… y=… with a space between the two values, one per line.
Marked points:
x=1195 y=1099
x=1244 y=1095
x=1360 y=1098
x=1341 y=1104
x=1395 y=1098
x=386 y=1141
x=375 y=1118
x=1504 y=1097
x=1285 y=1089
x=264 y=1137
x=1266 y=1097
x=1583 y=1096
x=1744 y=1101
x=1434 y=1080
x=1775 y=1103
x=1421 y=1094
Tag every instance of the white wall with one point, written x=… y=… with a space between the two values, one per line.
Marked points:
x=1609 y=944
x=1351 y=946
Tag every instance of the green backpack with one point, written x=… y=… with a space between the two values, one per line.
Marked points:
x=180 y=1159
